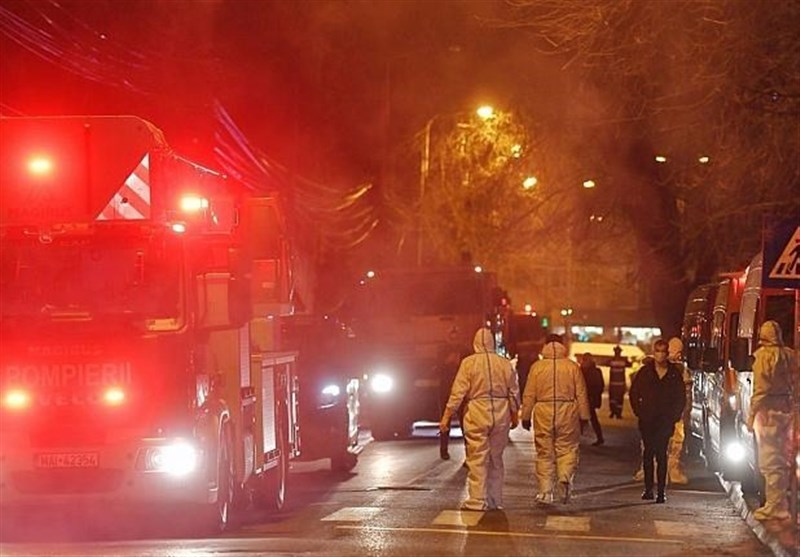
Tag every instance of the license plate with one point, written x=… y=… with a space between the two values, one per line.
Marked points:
x=67 y=460
x=426 y=383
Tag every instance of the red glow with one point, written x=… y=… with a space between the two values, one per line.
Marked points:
x=17 y=399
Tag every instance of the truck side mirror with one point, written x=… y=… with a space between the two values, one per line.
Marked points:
x=213 y=307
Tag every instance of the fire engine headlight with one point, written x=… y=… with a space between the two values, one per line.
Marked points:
x=734 y=452
x=179 y=458
x=16 y=399
x=381 y=383
x=331 y=391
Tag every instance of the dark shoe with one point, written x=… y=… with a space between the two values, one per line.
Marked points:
x=661 y=498
x=647 y=495
x=598 y=443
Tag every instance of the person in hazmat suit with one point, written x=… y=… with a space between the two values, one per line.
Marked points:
x=556 y=404
x=775 y=368
x=487 y=382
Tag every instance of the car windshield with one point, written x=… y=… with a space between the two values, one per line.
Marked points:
x=91 y=276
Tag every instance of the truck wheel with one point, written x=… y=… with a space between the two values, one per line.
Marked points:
x=216 y=517
x=272 y=496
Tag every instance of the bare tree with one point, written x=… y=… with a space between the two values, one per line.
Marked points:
x=714 y=88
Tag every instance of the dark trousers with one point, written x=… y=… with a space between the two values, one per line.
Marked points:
x=655 y=438
x=598 y=432
x=616 y=398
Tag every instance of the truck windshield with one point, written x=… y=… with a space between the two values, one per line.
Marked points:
x=420 y=295
x=92 y=277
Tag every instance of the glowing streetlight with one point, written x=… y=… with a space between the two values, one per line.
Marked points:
x=661 y=159
x=703 y=160
x=485 y=112
x=589 y=184
x=529 y=182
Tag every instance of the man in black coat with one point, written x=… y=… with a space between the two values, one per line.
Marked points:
x=595 y=385
x=657 y=397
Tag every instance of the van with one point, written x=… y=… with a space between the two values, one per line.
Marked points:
x=602 y=352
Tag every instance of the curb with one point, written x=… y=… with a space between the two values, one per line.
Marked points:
x=734 y=491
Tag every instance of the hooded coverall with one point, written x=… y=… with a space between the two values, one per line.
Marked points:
x=555 y=401
x=488 y=384
x=771 y=418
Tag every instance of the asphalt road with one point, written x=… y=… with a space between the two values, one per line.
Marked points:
x=402 y=499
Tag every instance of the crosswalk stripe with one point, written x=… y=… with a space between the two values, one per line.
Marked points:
x=568 y=523
x=352 y=514
x=547 y=535
x=458 y=518
x=678 y=529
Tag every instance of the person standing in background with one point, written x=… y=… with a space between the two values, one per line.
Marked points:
x=595 y=385
x=616 y=383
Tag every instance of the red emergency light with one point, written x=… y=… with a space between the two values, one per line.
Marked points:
x=39 y=165
x=16 y=399
x=193 y=203
x=114 y=396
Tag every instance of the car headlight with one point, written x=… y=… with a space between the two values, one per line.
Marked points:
x=331 y=391
x=734 y=452
x=381 y=383
x=178 y=458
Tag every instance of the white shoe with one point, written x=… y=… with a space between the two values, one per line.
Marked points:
x=544 y=498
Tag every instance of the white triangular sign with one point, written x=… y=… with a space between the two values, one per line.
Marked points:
x=788 y=264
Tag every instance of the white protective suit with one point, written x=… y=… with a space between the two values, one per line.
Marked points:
x=771 y=418
x=555 y=401
x=488 y=384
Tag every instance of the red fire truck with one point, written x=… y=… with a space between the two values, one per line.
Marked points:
x=141 y=301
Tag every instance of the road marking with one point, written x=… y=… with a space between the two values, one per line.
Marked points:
x=544 y=535
x=353 y=514
x=678 y=529
x=571 y=523
x=458 y=518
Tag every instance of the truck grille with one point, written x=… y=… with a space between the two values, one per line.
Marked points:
x=58 y=482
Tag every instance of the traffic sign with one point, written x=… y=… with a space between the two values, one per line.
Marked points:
x=782 y=255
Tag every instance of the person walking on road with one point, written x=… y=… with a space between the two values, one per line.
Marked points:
x=616 y=383
x=657 y=398
x=555 y=402
x=488 y=384
x=595 y=385
x=771 y=418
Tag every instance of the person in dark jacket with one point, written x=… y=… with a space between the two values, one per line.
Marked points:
x=657 y=397
x=595 y=385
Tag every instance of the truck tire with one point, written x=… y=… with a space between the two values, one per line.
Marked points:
x=216 y=517
x=274 y=484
